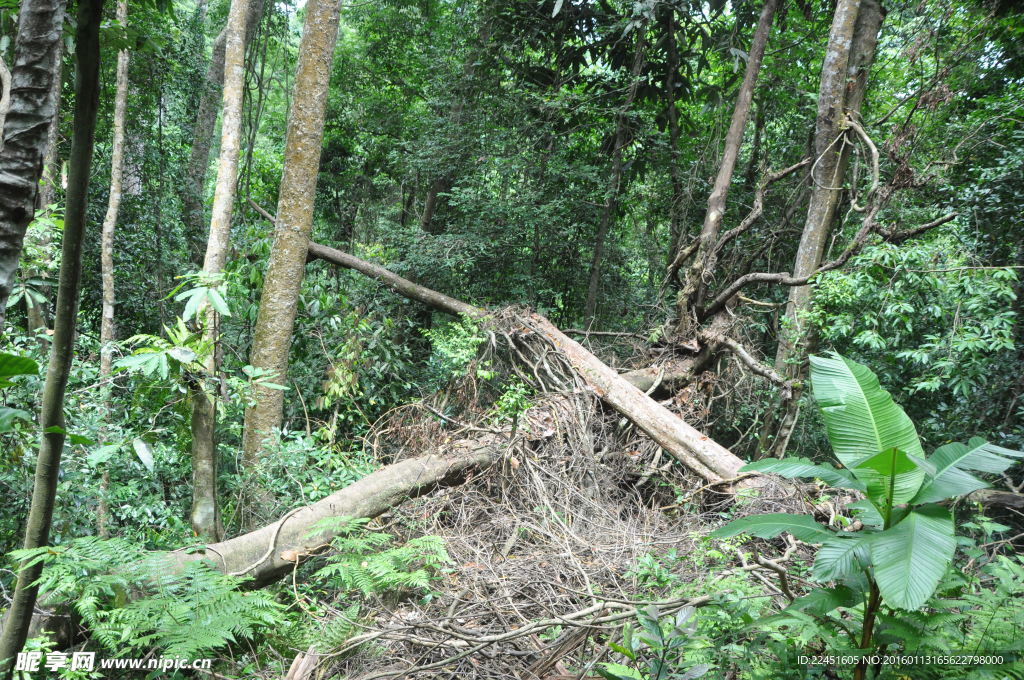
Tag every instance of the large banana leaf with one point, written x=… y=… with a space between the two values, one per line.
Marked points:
x=839 y=557
x=952 y=462
x=802 y=467
x=892 y=478
x=803 y=527
x=911 y=557
x=861 y=418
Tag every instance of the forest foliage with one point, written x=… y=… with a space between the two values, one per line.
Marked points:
x=557 y=157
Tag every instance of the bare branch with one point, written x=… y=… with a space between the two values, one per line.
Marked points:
x=758 y=207
x=901 y=236
x=748 y=360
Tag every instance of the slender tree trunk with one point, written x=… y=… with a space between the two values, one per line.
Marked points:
x=5 y=96
x=704 y=258
x=26 y=126
x=108 y=331
x=51 y=420
x=51 y=159
x=610 y=210
x=283 y=280
x=672 y=113
x=206 y=121
x=205 y=512
x=848 y=58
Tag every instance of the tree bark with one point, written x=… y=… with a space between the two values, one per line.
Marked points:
x=848 y=58
x=689 y=297
x=283 y=279
x=206 y=121
x=844 y=74
x=610 y=210
x=107 y=328
x=36 y=312
x=205 y=513
x=26 y=126
x=51 y=420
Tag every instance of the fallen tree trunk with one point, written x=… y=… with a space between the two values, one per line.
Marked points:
x=685 y=443
x=673 y=372
x=270 y=552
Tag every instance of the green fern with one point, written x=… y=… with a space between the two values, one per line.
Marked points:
x=132 y=600
x=360 y=564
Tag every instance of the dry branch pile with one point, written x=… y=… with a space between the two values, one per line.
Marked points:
x=544 y=540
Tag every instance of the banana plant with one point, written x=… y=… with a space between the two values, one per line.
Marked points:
x=909 y=538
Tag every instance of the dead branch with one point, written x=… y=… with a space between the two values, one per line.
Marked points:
x=268 y=553
x=899 y=237
x=758 y=208
x=748 y=360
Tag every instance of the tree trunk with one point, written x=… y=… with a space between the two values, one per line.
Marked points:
x=672 y=114
x=844 y=74
x=269 y=552
x=205 y=514
x=51 y=419
x=26 y=126
x=206 y=121
x=283 y=281
x=107 y=330
x=610 y=210
x=704 y=259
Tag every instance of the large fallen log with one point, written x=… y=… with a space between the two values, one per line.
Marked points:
x=270 y=552
x=688 y=445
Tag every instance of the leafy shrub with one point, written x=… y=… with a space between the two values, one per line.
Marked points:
x=908 y=540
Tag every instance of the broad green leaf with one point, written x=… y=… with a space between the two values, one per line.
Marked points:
x=616 y=671
x=802 y=467
x=8 y=416
x=196 y=297
x=839 y=557
x=101 y=454
x=12 y=365
x=861 y=418
x=953 y=460
x=911 y=557
x=821 y=601
x=866 y=513
x=771 y=525
x=182 y=354
x=892 y=478
x=698 y=671
x=218 y=303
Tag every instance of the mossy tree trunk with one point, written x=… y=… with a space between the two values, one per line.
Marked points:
x=283 y=280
